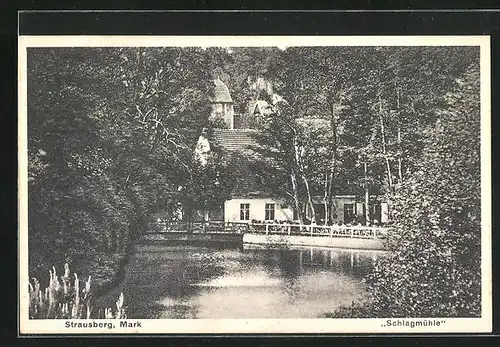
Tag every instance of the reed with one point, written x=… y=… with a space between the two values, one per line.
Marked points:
x=68 y=297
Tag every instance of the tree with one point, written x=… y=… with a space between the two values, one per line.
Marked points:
x=325 y=84
x=434 y=269
x=110 y=130
x=402 y=90
x=248 y=64
x=278 y=154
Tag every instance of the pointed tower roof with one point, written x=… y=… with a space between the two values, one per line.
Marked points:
x=221 y=92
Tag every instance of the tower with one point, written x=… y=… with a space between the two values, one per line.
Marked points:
x=222 y=104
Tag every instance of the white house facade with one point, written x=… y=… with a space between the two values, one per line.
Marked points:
x=257 y=209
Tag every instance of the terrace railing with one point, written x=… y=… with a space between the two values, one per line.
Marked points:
x=364 y=232
x=220 y=227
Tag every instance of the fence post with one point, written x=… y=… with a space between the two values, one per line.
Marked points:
x=352 y=232
x=289 y=230
x=311 y=230
x=331 y=231
x=267 y=229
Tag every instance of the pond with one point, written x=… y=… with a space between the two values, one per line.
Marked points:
x=173 y=282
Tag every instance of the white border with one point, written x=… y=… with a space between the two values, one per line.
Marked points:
x=228 y=326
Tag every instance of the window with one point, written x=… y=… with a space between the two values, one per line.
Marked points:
x=244 y=211
x=348 y=213
x=270 y=211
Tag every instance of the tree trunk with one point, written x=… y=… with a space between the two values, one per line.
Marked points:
x=309 y=198
x=384 y=147
x=325 y=201
x=367 y=198
x=296 y=199
x=333 y=124
x=298 y=163
x=400 y=152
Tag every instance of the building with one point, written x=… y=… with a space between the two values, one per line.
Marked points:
x=249 y=202
x=222 y=104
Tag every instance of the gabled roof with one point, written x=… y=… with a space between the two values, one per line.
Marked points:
x=221 y=93
x=261 y=107
x=235 y=140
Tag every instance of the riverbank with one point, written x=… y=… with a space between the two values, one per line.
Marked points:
x=112 y=276
x=200 y=239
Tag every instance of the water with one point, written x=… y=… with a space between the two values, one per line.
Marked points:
x=172 y=282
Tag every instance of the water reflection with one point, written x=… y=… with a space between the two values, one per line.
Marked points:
x=199 y=282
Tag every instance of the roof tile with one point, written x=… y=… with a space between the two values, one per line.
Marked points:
x=235 y=140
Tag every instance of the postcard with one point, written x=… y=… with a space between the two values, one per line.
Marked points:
x=254 y=184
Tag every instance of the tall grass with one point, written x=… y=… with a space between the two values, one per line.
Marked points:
x=67 y=297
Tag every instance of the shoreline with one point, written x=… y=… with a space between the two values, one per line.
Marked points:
x=118 y=276
x=268 y=241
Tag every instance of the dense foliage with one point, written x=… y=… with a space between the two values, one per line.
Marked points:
x=344 y=109
x=434 y=265
x=111 y=131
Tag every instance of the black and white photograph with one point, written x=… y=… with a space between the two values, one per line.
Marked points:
x=254 y=184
